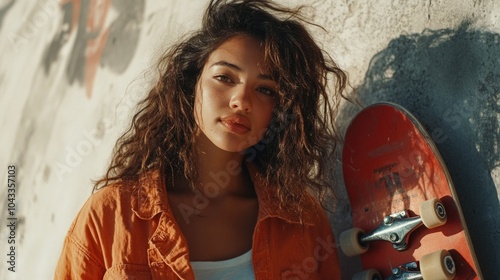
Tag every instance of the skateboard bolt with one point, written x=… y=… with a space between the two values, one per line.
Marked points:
x=395 y=271
x=388 y=220
x=393 y=237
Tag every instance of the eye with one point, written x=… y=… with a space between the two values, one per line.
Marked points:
x=223 y=78
x=266 y=91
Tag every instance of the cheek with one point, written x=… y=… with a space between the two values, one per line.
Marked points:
x=267 y=114
x=207 y=102
x=198 y=106
x=265 y=123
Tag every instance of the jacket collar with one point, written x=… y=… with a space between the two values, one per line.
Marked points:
x=150 y=195
x=268 y=206
x=150 y=199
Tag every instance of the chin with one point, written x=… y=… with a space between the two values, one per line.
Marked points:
x=233 y=144
x=232 y=148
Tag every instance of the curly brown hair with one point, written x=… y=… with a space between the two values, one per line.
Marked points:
x=291 y=155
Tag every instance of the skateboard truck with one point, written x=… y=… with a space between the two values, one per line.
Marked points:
x=438 y=265
x=395 y=228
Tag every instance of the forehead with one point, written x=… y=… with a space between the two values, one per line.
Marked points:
x=242 y=50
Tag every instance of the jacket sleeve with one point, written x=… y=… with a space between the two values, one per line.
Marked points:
x=80 y=254
x=76 y=263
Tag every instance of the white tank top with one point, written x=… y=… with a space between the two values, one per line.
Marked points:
x=235 y=268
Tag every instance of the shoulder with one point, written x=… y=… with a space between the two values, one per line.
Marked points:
x=312 y=212
x=99 y=209
x=300 y=208
x=105 y=199
x=126 y=197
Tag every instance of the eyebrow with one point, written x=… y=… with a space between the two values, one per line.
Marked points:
x=237 y=68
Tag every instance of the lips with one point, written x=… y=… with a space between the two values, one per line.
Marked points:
x=236 y=124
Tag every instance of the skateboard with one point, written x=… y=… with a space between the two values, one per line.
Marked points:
x=407 y=220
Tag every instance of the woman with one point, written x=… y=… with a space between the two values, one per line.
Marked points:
x=213 y=179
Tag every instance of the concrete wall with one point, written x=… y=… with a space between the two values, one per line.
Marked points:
x=71 y=72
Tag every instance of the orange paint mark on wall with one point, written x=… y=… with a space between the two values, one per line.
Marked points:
x=95 y=35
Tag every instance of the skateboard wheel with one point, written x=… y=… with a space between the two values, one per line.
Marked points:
x=437 y=266
x=350 y=242
x=433 y=213
x=370 y=274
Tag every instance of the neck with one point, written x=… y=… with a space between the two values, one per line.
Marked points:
x=220 y=172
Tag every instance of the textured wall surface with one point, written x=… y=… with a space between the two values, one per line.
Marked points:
x=71 y=72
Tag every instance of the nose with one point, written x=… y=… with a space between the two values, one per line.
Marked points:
x=241 y=99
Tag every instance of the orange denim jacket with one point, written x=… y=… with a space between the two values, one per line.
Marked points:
x=127 y=231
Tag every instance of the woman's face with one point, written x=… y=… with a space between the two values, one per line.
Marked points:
x=234 y=96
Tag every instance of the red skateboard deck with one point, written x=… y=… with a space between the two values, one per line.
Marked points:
x=390 y=164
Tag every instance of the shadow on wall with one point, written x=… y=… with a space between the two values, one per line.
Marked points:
x=450 y=80
x=4 y=9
